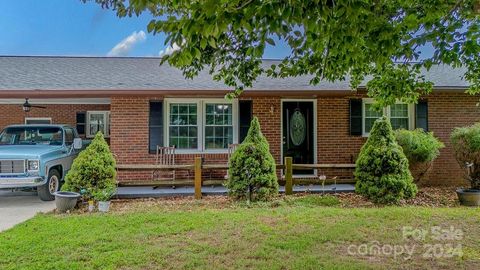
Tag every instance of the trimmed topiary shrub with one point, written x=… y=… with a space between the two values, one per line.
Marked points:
x=420 y=148
x=252 y=174
x=382 y=173
x=466 y=144
x=93 y=171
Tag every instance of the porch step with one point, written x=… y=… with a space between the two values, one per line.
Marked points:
x=149 y=191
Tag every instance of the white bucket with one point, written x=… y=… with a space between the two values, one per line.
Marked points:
x=103 y=206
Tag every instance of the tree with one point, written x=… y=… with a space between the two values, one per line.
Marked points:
x=252 y=174
x=381 y=171
x=329 y=40
x=93 y=171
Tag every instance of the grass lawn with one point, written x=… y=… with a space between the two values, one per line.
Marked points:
x=310 y=232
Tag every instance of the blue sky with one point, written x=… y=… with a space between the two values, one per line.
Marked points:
x=74 y=28
x=70 y=27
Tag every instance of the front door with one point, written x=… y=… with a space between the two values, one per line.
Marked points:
x=298 y=133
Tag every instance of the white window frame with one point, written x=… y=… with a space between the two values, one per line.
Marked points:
x=38 y=118
x=201 y=120
x=106 y=115
x=386 y=112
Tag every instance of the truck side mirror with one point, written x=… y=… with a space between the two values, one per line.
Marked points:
x=77 y=143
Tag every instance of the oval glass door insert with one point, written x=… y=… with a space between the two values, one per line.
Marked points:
x=298 y=129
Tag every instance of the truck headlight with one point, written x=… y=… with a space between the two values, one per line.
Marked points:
x=33 y=165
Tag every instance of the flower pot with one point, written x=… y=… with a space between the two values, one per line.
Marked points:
x=91 y=206
x=65 y=200
x=469 y=197
x=103 y=206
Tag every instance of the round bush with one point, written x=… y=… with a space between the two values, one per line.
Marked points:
x=466 y=145
x=93 y=171
x=420 y=148
x=381 y=171
x=252 y=174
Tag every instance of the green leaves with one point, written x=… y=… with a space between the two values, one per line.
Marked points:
x=382 y=172
x=93 y=170
x=252 y=172
x=328 y=40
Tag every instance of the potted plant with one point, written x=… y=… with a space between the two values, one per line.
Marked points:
x=466 y=145
x=66 y=200
x=103 y=196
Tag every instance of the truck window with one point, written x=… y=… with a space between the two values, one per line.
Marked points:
x=69 y=136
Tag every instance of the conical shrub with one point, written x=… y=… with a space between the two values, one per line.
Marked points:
x=93 y=170
x=382 y=172
x=252 y=174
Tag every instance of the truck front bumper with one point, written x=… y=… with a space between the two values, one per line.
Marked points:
x=20 y=182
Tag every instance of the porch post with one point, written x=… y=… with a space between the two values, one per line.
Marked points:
x=288 y=176
x=198 y=178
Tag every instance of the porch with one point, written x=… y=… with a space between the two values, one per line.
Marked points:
x=198 y=187
x=130 y=192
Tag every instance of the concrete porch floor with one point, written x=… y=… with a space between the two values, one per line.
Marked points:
x=148 y=191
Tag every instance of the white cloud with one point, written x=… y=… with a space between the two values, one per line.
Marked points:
x=126 y=45
x=169 y=50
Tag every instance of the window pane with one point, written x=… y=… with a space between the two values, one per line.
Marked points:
x=96 y=122
x=370 y=117
x=183 y=125
x=369 y=112
x=218 y=125
x=399 y=110
x=369 y=124
x=398 y=123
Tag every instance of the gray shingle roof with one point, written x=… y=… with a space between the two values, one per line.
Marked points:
x=103 y=73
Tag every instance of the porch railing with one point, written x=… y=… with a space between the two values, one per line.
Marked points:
x=198 y=167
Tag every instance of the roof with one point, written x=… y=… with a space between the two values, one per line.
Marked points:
x=128 y=73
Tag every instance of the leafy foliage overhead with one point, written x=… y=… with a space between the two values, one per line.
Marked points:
x=329 y=39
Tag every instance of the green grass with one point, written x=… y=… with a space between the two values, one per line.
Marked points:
x=299 y=233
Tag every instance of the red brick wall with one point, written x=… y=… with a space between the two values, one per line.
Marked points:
x=129 y=139
x=60 y=113
x=445 y=112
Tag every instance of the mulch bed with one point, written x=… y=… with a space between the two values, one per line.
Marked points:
x=426 y=196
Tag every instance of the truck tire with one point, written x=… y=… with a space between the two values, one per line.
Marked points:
x=45 y=192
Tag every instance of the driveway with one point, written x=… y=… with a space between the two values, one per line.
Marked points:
x=18 y=206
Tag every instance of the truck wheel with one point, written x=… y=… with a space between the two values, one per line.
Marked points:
x=52 y=185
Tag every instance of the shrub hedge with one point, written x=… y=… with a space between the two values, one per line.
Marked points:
x=93 y=171
x=420 y=148
x=466 y=145
x=382 y=172
x=252 y=173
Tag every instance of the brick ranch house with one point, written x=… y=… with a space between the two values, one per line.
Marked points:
x=139 y=105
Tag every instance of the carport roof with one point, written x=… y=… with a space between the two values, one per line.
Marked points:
x=128 y=73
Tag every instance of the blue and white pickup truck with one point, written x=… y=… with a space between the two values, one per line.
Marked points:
x=37 y=156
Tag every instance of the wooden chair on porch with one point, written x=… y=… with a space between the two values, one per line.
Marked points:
x=231 y=148
x=164 y=156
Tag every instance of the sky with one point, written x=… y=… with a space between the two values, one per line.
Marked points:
x=74 y=28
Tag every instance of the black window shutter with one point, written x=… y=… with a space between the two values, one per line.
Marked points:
x=421 y=115
x=81 y=122
x=245 y=117
x=155 y=126
x=355 y=117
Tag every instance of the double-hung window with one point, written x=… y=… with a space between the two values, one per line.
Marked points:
x=98 y=121
x=183 y=125
x=218 y=125
x=201 y=124
x=400 y=115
